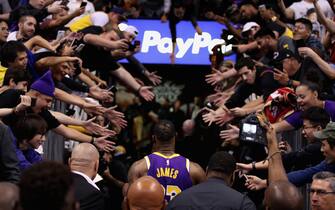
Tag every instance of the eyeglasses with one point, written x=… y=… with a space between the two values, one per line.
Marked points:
x=320 y=192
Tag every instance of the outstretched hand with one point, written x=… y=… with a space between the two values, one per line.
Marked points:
x=146 y=93
x=97 y=129
x=154 y=78
x=255 y=183
x=115 y=117
x=215 y=77
x=104 y=145
x=231 y=133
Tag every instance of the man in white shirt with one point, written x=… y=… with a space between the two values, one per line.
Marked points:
x=299 y=9
x=27 y=27
x=84 y=164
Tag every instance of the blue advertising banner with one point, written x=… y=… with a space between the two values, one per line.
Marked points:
x=192 y=49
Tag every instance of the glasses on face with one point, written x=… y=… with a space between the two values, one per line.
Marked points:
x=320 y=192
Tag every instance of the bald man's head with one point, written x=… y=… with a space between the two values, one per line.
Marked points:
x=283 y=195
x=86 y=151
x=9 y=198
x=85 y=159
x=188 y=127
x=145 y=193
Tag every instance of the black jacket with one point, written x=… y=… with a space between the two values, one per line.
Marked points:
x=9 y=164
x=308 y=156
x=212 y=194
x=88 y=196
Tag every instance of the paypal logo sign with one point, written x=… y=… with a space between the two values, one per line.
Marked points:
x=192 y=49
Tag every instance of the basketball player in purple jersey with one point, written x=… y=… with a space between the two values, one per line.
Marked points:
x=173 y=171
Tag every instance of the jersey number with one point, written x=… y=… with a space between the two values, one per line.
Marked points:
x=172 y=191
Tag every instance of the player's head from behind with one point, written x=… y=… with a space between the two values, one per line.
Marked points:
x=221 y=165
x=164 y=133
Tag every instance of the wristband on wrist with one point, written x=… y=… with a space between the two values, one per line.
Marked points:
x=253 y=165
x=92 y=140
x=290 y=83
x=139 y=89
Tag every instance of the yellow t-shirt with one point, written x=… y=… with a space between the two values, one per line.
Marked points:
x=288 y=32
x=2 y=74
x=81 y=23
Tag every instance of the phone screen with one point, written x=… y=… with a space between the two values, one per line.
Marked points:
x=249 y=128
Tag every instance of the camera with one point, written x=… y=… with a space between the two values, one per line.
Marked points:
x=132 y=46
x=252 y=131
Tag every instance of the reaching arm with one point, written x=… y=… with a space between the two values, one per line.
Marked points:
x=64 y=119
x=72 y=134
x=64 y=19
x=242 y=48
x=101 y=143
x=255 y=104
x=39 y=41
x=302 y=177
x=54 y=60
x=276 y=168
x=102 y=42
x=230 y=27
x=282 y=126
x=69 y=98
x=167 y=6
x=4 y=16
x=329 y=24
x=126 y=78
x=323 y=65
x=86 y=79
x=289 y=13
x=93 y=77
x=6 y=111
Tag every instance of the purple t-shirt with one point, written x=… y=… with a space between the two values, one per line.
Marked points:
x=171 y=172
x=296 y=121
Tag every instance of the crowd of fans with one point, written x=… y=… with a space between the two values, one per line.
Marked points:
x=61 y=78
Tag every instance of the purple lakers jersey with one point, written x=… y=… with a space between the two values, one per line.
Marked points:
x=172 y=172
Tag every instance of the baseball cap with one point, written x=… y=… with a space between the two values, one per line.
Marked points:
x=120 y=11
x=328 y=132
x=282 y=54
x=248 y=26
x=132 y=30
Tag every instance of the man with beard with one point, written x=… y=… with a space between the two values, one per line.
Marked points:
x=27 y=28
